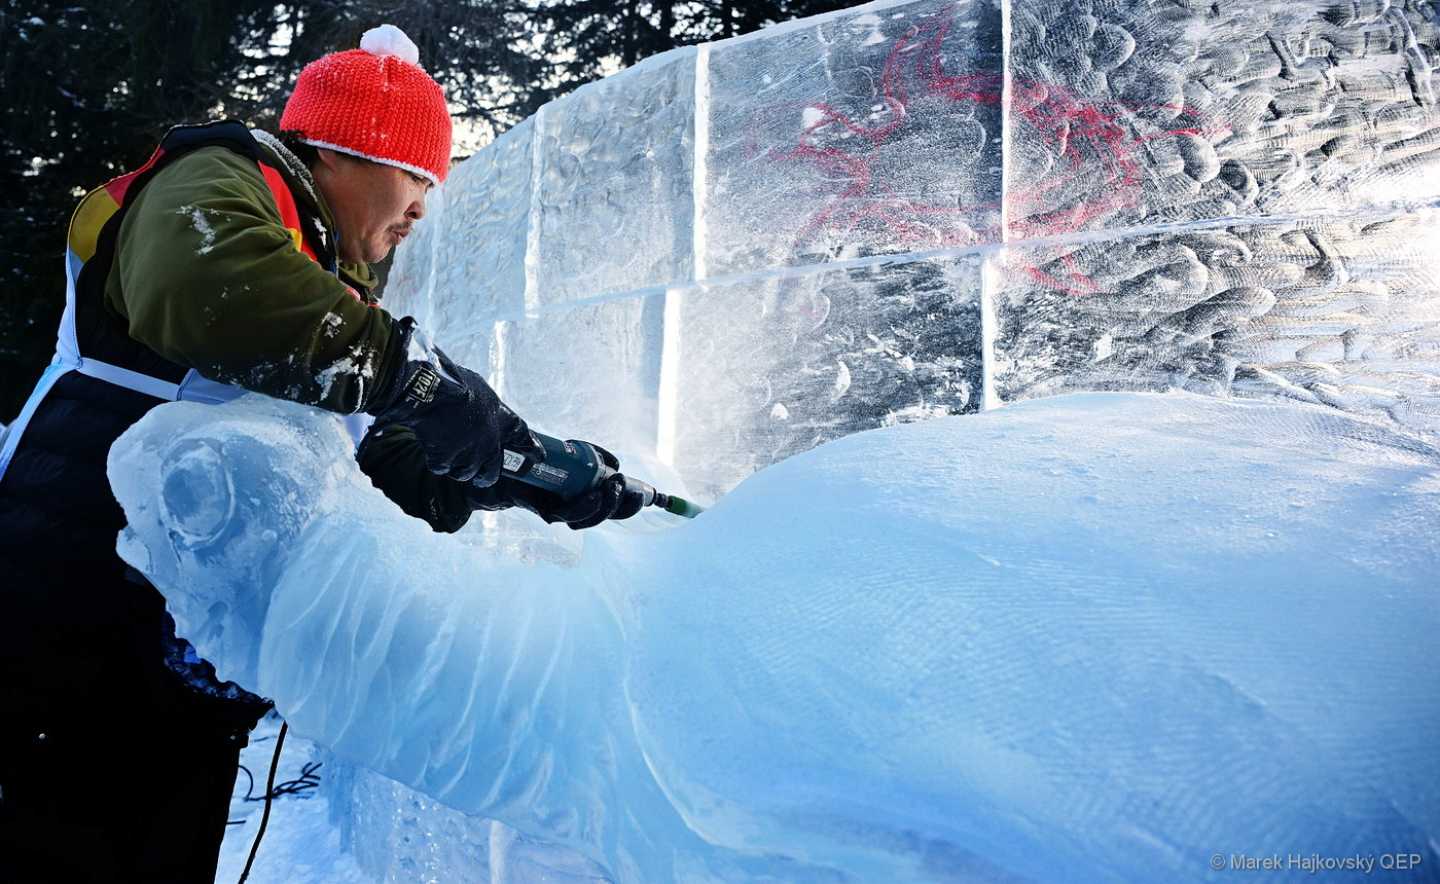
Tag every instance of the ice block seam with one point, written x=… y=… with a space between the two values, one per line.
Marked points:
x=983 y=250
x=532 y=240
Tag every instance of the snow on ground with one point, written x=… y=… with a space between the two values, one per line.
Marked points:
x=300 y=846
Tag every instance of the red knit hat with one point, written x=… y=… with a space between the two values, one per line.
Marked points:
x=374 y=102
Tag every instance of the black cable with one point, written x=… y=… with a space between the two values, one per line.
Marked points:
x=307 y=780
x=303 y=783
x=269 y=794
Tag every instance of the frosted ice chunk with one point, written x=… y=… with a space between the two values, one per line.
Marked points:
x=772 y=367
x=859 y=134
x=615 y=204
x=1343 y=313
x=409 y=836
x=1125 y=114
x=221 y=529
x=590 y=372
x=1111 y=632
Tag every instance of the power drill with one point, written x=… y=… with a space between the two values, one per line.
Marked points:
x=573 y=468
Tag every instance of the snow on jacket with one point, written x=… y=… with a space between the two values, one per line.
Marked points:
x=209 y=276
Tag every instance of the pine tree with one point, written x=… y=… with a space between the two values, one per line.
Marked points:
x=87 y=88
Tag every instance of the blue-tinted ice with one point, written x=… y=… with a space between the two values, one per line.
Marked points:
x=1116 y=632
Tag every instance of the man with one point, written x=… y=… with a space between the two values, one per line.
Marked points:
x=232 y=261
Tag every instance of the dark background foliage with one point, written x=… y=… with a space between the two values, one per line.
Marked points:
x=89 y=86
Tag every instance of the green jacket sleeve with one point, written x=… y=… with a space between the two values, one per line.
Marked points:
x=393 y=459
x=207 y=275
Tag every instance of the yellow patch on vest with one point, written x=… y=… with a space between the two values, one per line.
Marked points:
x=94 y=210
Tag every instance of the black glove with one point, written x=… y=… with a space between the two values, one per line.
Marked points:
x=612 y=500
x=460 y=422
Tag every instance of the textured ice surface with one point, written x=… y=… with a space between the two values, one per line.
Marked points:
x=769 y=368
x=1235 y=198
x=735 y=252
x=868 y=132
x=1135 y=113
x=1336 y=311
x=1110 y=632
x=615 y=160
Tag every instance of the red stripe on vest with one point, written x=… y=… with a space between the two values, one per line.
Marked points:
x=119 y=188
x=289 y=212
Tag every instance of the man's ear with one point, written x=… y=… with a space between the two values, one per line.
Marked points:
x=327 y=158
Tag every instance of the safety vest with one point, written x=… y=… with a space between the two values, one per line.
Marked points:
x=89 y=255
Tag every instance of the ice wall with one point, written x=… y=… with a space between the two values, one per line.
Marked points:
x=911 y=209
x=734 y=252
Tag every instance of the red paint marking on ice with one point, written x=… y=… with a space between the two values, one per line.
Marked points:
x=1092 y=147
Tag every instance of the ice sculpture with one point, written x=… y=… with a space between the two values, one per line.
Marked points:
x=733 y=253
x=1110 y=632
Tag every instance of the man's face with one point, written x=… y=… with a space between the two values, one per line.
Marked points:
x=375 y=205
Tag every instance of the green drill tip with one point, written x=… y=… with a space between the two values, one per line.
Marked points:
x=682 y=507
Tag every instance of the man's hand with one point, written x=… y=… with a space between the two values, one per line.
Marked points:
x=612 y=500
x=462 y=425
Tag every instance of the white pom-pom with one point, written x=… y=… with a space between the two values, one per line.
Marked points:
x=390 y=40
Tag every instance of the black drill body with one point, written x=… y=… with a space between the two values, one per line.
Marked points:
x=572 y=468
